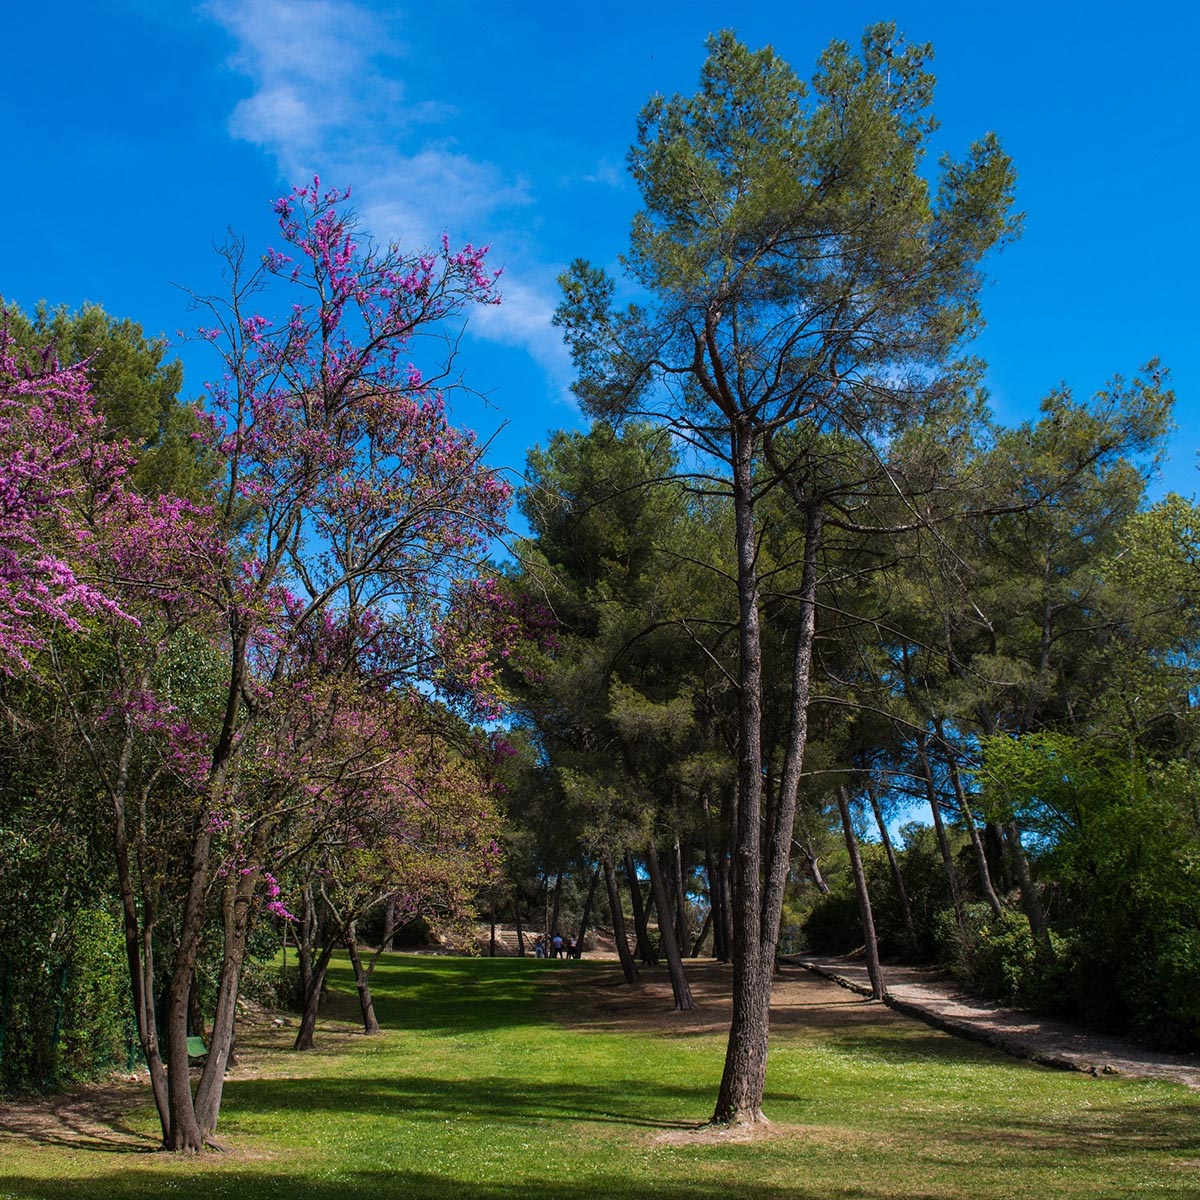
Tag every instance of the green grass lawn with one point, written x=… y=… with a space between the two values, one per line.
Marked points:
x=540 y=1080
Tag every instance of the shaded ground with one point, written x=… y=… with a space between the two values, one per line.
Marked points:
x=931 y=997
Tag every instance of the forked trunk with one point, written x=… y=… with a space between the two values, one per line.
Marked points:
x=312 y=1000
x=964 y=807
x=760 y=872
x=645 y=947
x=1030 y=900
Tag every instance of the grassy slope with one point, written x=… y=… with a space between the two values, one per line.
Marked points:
x=486 y=1088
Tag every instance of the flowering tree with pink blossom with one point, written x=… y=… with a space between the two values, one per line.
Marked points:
x=402 y=813
x=331 y=571
x=49 y=456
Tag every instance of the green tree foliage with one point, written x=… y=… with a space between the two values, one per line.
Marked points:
x=801 y=276
x=1122 y=846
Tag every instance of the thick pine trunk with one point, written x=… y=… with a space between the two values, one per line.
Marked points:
x=670 y=944
x=628 y=966
x=864 y=897
x=760 y=873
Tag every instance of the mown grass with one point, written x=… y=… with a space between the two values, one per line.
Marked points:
x=495 y=1082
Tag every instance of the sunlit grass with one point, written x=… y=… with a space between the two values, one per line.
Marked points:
x=491 y=1083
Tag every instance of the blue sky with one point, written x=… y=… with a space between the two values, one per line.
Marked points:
x=138 y=131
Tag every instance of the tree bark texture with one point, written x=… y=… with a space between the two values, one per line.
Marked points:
x=760 y=870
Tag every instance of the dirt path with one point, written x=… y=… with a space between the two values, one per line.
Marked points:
x=931 y=997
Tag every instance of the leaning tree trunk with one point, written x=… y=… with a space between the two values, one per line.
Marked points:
x=1029 y=896
x=894 y=866
x=964 y=807
x=587 y=913
x=237 y=918
x=939 y=826
x=362 y=982
x=628 y=966
x=312 y=1000
x=645 y=947
x=864 y=897
x=760 y=873
x=670 y=943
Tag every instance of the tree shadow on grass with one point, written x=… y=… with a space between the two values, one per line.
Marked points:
x=480 y=1100
x=385 y=1183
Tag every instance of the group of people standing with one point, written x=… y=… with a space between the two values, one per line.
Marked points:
x=556 y=946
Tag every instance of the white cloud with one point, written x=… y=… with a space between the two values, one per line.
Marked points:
x=326 y=100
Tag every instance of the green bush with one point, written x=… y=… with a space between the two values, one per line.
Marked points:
x=64 y=1014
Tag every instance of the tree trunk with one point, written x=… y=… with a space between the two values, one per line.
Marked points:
x=894 y=865
x=670 y=945
x=681 y=921
x=760 y=876
x=864 y=897
x=557 y=897
x=708 y=920
x=645 y=949
x=362 y=982
x=1029 y=896
x=312 y=1000
x=628 y=966
x=520 y=930
x=935 y=806
x=716 y=892
x=587 y=913
x=964 y=807
x=389 y=930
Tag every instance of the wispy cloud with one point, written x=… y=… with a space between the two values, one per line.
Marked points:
x=327 y=99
